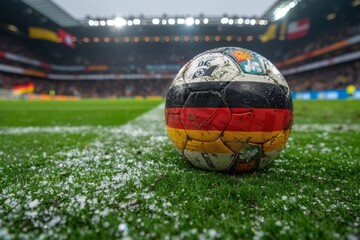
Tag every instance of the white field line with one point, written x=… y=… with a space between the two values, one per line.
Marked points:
x=151 y=122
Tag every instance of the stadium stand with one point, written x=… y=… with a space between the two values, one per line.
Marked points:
x=315 y=49
x=326 y=78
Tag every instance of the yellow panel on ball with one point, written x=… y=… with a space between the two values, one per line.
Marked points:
x=253 y=137
x=178 y=137
x=277 y=143
x=216 y=146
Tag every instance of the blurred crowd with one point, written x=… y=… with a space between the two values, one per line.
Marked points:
x=333 y=77
x=105 y=88
x=329 y=78
x=16 y=45
x=91 y=88
x=318 y=41
x=7 y=81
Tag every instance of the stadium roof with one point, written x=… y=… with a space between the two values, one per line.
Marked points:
x=53 y=12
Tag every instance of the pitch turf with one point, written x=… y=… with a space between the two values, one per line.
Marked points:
x=91 y=170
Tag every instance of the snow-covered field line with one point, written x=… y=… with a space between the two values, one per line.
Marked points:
x=149 y=121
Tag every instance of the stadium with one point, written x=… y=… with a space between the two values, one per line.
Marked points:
x=85 y=152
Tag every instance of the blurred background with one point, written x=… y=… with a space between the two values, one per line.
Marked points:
x=70 y=50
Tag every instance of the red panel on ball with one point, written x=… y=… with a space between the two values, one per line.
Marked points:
x=220 y=119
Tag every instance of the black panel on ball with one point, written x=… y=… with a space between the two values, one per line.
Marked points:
x=205 y=99
x=256 y=95
x=177 y=96
x=235 y=94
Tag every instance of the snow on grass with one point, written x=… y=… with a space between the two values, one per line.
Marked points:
x=107 y=188
x=54 y=129
x=328 y=127
x=132 y=131
x=113 y=172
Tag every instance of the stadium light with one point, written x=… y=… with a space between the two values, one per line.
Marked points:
x=155 y=21
x=224 y=20
x=189 y=21
x=282 y=10
x=172 y=21
x=180 y=21
x=137 y=21
x=262 y=22
x=331 y=16
x=110 y=22
x=249 y=38
x=119 y=22
x=12 y=28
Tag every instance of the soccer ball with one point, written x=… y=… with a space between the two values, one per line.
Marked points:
x=229 y=109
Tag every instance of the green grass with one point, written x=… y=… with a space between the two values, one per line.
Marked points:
x=71 y=170
x=72 y=113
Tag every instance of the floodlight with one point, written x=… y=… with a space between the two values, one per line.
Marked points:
x=224 y=20
x=155 y=21
x=137 y=21
x=119 y=22
x=180 y=21
x=189 y=21
x=172 y=21
x=110 y=22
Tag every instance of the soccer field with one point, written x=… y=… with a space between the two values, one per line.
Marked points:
x=105 y=169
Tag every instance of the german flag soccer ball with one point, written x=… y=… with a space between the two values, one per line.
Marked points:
x=229 y=109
